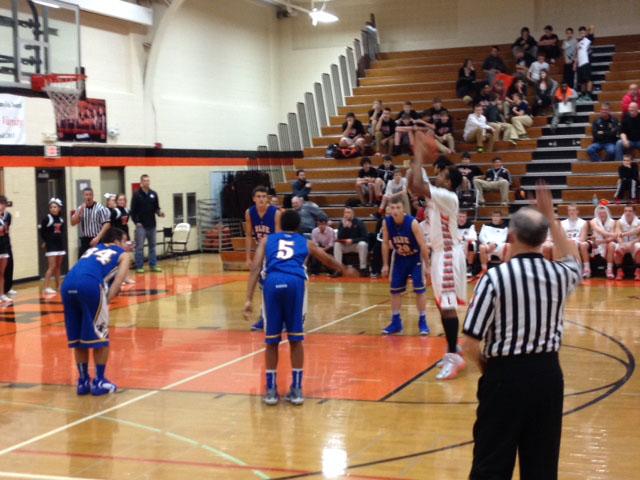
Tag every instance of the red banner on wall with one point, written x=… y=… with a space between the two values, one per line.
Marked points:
x=91 y=125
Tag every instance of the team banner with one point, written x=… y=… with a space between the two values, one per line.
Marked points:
x=12 y=124
x=90 y=126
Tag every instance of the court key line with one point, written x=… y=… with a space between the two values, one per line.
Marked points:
x=171 y=386
x=31 y=476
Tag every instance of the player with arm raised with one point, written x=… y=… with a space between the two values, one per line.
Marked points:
x=282 y=256
x=260 y=220
x=448 y=263
x=402 y=233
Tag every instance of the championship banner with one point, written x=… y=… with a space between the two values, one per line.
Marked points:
x=90 y=126
x=12 y=124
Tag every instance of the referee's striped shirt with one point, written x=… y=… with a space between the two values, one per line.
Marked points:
x=518 y=307
x=93 y=218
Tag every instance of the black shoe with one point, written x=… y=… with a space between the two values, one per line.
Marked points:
x=364 y=272
x=336 y=274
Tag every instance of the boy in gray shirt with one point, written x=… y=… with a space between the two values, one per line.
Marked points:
x=570 y=48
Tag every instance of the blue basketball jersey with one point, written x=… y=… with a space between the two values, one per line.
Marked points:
x=265 y=225
x=99 y=263
x=286 y=253
x=401 y=236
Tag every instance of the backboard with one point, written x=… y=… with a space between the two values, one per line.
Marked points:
x=37 y=36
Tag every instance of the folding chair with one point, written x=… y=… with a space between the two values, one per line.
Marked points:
x=180 y=239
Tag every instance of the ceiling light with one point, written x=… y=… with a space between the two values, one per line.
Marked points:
x=321 y=16
x=45 y=3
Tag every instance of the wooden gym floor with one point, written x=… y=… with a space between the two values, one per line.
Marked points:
x=191 y=375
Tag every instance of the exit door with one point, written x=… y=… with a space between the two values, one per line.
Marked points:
x=50 y=183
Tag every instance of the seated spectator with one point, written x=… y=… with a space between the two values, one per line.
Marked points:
x=564 y=105
x=403 y=138
x=605 y=130
x=549 y=45
x=493 y=65
x=374 y=115
x=477 y=129
x=301 y=187
x=310 y=214
x=570 y=49
x=485 y=96
x=352 y=132
x=352 y=237
x=324 y=237
x=522 y=61
x=366 y=183
x=520 y=117
x=397 y=187
x=629 y=132
x=466 y=87
x=500 y=95
x=407 y=108
x=577 y=230
x=632 y=96
x=627 y=186
x=604 y=239
x=468 y=171
x=519 y=87
x=444 y=133
x=493 y=240
x=436 y=110
x=385 y=131
x=533 y=75
x=545 y=89
x=526 y=43
x=385 y=171
x=468 y=237
x=497 y=178
x=496 y=120
x=628 y=241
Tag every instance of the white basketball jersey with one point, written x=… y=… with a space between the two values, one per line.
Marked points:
x=607 y=227
x=625 y=227
x=573 y=228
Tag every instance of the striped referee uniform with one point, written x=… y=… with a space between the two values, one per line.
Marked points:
x=518 y=311
x=92 y=221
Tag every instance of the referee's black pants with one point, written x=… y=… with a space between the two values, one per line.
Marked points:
x=520 y=410
x=85 y=244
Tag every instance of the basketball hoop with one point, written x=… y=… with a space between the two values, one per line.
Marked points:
x=64 y=90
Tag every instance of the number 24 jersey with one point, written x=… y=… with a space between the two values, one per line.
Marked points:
x=286 y=253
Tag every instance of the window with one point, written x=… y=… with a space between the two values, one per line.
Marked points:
x=192 y=210
x=178 y=208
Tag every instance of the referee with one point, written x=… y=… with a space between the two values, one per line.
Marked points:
x=518 y=311
x=94 y=220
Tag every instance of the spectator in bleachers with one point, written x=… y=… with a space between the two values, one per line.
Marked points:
x=324 y=237
x=533 y=75
x=525 y=42
x=468 y=237
x=352 y=132
x=374 y=115
x=604 y=237
x=582 y=64
x=493 y=65
x=632 y=96
x=385 y=170
x=468 y=171
x=396 y=187
x=310 y=214
x=629 y=132
x=520 y=116
x=497 y=121
x=407 y=108
x=352 y=238
x=403 y=137
x=301 y=187
x=477 y=129
x=385 y=131
x=500 y=95
x=545 y=89
x=436 y=110
x=496 y=178
x=366 y=183
x=518 y=86
x=605 y=130
x=627 y=186
x=564 y=105
x=628 y=241
x=522 y=62
x=466 y=87
x=444 y=132
x=570 y=49
x=485 y=96
x=549 y=45
x=493 y=240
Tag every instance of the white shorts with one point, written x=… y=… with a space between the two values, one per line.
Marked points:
x=349 y=141
x=4 y=255
x=449 y=278
x=499 y=251
x=55 y=254
x=601 y=250
x=624 y=248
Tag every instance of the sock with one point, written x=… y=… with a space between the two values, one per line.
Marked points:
x=83 y=370
x=297 y=378
x=451 y=326
x=423 y=317
x=586 y=266
x=395 y=317
x=271 y=379
x=609 y=266
x=100 y=371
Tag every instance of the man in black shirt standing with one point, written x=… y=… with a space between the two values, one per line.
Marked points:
x=144 y=208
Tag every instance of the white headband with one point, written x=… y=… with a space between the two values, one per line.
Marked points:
x=55 y=200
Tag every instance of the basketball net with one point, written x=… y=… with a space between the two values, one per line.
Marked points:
x=65 y=97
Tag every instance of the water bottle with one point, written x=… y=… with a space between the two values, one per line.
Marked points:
x=594 y=200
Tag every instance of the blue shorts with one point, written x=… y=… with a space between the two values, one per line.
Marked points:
x=285 y=305
x=404 y=267
x=86 y=313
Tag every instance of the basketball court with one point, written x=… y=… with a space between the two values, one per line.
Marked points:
x=192 y=377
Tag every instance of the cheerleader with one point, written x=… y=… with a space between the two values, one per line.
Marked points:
x=52 y=234
x=120 y=220
x=5 y=301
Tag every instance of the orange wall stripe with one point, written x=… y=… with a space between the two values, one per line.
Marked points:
x=93 y=161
